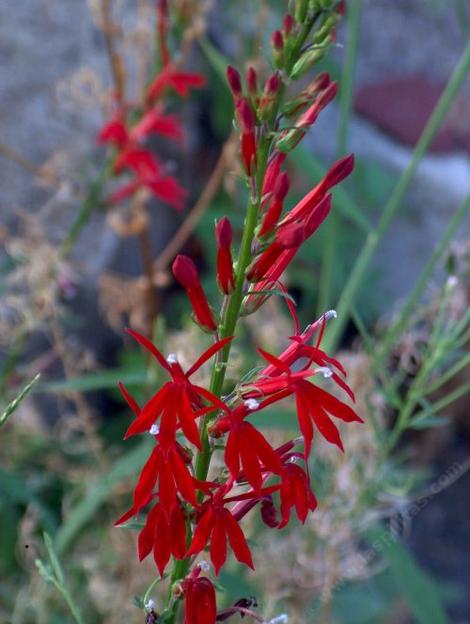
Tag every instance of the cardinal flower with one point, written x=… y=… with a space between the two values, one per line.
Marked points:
x=271 y=263
x=186 y=274
x=166 y=465
x=247 y=449
x=295 y=492
x=172 y=78
x=217 y=525
x=178 y=402
x=246 y=119
x=200 y=603
x=313 y=403
x=225 y=273
x=164 y=533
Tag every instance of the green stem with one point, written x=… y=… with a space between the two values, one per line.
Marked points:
x=373 y=239
x=345 y=107
x=89 y=205
x=228 y=327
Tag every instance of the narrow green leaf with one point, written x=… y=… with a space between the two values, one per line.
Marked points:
x=11 y=407
x=97 y=494
x=95 y=381
x=420 y=592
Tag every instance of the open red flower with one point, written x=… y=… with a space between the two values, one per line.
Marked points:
x=187 y=275
x=295 y=492
x=164 y=533
x=218 y=525
x=166 y=465
x=247 y=450
x=172 y=78
x=178 y=402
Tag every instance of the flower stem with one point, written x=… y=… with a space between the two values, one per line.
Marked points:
x=228 y=327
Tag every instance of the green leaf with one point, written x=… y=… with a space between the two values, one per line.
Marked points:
x=95 y=381
x=98 y=493
x=420 y=592
x=11 y=407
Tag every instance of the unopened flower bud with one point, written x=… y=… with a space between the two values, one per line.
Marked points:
x=306 y=61
x=225 y=272
x=252 y=85
x=246 y=120
x=288 y=24
x=234 y=82
x=277 y=42
x=301 y=8
x=270 y=93
x=186 y=274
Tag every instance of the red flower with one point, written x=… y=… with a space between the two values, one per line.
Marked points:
x=313 y=403
x=200 y=603
x=248 y=449
x=295 y=492
x=148 y=174
x=274 y=210
x=164 y=533
x=322 y=100
x=340 y=170
x=225 y=274
x=186 y=274
x=246 y=119
x=271 y=263
x=234 y=83
x=156 y=122
x=168 y=467
x=171 y=78
x=178 y=402
x=114 y=131
x=218 y=525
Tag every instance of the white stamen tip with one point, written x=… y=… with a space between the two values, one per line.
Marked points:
x=325 y=371
x=154 y=429
x=172 y=358
x=205 y=567
x=150 y=605
x=452 y=281
x=280 y=619
x=330 y=314
x=252 y=404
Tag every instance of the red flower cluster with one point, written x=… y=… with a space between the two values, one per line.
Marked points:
x=129 y=139
x=187 y=512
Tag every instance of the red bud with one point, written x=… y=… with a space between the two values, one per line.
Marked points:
x=288 y=24
x=234 y=82
x=277 y=40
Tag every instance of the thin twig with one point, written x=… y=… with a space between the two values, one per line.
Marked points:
x=109 y=30
x=40 y=172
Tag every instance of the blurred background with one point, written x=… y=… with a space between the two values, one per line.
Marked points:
x=390 y=539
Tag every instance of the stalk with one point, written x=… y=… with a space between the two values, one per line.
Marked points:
x=230 y=319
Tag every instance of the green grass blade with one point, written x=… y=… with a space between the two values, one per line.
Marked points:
x=420 y=592
x=11 y=407
x=373 y=239
x=98 y=493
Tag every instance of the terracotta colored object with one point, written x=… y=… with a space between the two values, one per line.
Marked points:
x=401 y=107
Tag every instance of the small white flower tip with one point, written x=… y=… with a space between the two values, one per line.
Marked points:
x=452 y=281
x=325 y=371
x=205 y=567
x=331 y=314
x=172 y=358
x=150 y=605
x=154 y=429
x=252 y=404
x=280 y=619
